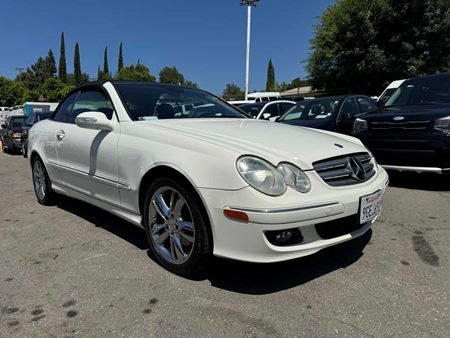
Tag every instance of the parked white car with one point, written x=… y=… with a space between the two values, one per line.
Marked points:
x=216 y=183
x=267 y=110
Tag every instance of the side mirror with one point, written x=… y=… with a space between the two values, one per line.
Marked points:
x=266 y=116
x=93 y=120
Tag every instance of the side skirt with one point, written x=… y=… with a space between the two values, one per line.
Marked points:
x=115 y=210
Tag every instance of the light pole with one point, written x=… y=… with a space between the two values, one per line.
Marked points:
x=249 y=4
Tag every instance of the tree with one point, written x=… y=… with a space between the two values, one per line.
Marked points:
x=171 y=75
x=270 y=85
x=76 y=66
x=13 y=93
x=363 y=44
x=35 y=75
x=120 y=62
x=105 y=64
x=191 y=84
x=62 y=71
x=71 y=79
x=99 y=74
x=233 y=92
x=55 y=90
x=137 y=72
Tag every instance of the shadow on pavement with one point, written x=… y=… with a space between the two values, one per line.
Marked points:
x=422 y=181
x=235 y=276
x=102 y=219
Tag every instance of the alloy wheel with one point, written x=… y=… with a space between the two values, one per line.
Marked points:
x=171 y=223
x=39 y=180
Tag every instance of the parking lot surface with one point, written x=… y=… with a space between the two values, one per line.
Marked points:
x=75 y=270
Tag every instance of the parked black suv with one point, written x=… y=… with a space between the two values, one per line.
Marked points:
x=334 y=113
x=412 y=133
x=11 y=134
x=29 y=122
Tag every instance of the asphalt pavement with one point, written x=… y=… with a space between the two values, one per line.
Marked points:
x=73 y=270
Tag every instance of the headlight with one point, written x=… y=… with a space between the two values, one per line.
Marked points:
x=360 y=125
x=16 y=135
x=294 y=177
x=261 y=175
x=443 y=124
x=269 y=180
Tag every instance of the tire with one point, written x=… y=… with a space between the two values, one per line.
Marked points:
x=177 y=233
x=41 y=183
x=8 y=147
x=24 y=151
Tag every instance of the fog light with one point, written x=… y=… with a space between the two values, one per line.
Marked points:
x=284 y=237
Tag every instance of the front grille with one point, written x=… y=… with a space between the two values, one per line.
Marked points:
x=338 y=227
x=409 y=125
x=337 y=172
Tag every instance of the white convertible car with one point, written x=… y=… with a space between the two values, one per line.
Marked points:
x=203 y=179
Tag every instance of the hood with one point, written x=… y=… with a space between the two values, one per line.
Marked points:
x=16 y=129
x=275 y=142
x=411 y=113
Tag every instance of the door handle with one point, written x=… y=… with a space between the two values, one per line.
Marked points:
x=60 y=135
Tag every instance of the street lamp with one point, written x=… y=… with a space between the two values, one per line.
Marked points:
x=249 y=4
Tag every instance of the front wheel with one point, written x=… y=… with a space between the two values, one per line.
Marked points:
x=41 y=183
x=176 y=227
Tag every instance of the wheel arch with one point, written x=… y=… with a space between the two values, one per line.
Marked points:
x=164 y=170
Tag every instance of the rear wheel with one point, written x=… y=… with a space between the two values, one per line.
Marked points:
x=41 y=183
x=176 y=227
x=24 y=150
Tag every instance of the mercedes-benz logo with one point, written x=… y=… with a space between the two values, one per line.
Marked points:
x=356 y=169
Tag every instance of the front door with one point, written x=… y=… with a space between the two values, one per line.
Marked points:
x=87 y=159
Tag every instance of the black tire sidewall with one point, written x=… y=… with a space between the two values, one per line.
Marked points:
x=49 y=194
x=201 y=254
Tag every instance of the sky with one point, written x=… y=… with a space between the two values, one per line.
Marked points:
x=205 y=40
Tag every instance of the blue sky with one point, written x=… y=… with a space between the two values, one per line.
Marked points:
x=204 y=39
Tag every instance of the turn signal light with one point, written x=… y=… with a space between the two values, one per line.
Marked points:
x=239 y=215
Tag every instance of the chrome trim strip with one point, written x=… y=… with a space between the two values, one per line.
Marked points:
x=396 y=123
x=276 y=211
x=96 y=177
x=415 y=169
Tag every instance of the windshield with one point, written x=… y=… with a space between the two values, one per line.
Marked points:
x=386 y=95
x=152 y=102
x=422 y=91
x=252 y=109
x=17 y=121
x=311 y=110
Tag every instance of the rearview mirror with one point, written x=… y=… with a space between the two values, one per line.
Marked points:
x=93 y=120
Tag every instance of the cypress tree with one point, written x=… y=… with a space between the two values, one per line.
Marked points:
x=99 y=74
x=105 y=63
x=270 y=85
x=77 y=66
x=62 y=71
x=120 y=63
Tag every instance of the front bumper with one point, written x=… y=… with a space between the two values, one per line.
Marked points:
x=246 y=241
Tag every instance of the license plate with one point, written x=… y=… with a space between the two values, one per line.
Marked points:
x=370 y=206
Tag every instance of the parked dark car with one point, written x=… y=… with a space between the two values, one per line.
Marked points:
x=334 y=113
x=29 y=122
x=11 y=136
x=412 y=133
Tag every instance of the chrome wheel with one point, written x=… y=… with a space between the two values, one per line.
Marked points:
x=171 y=223
x=39 y=180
